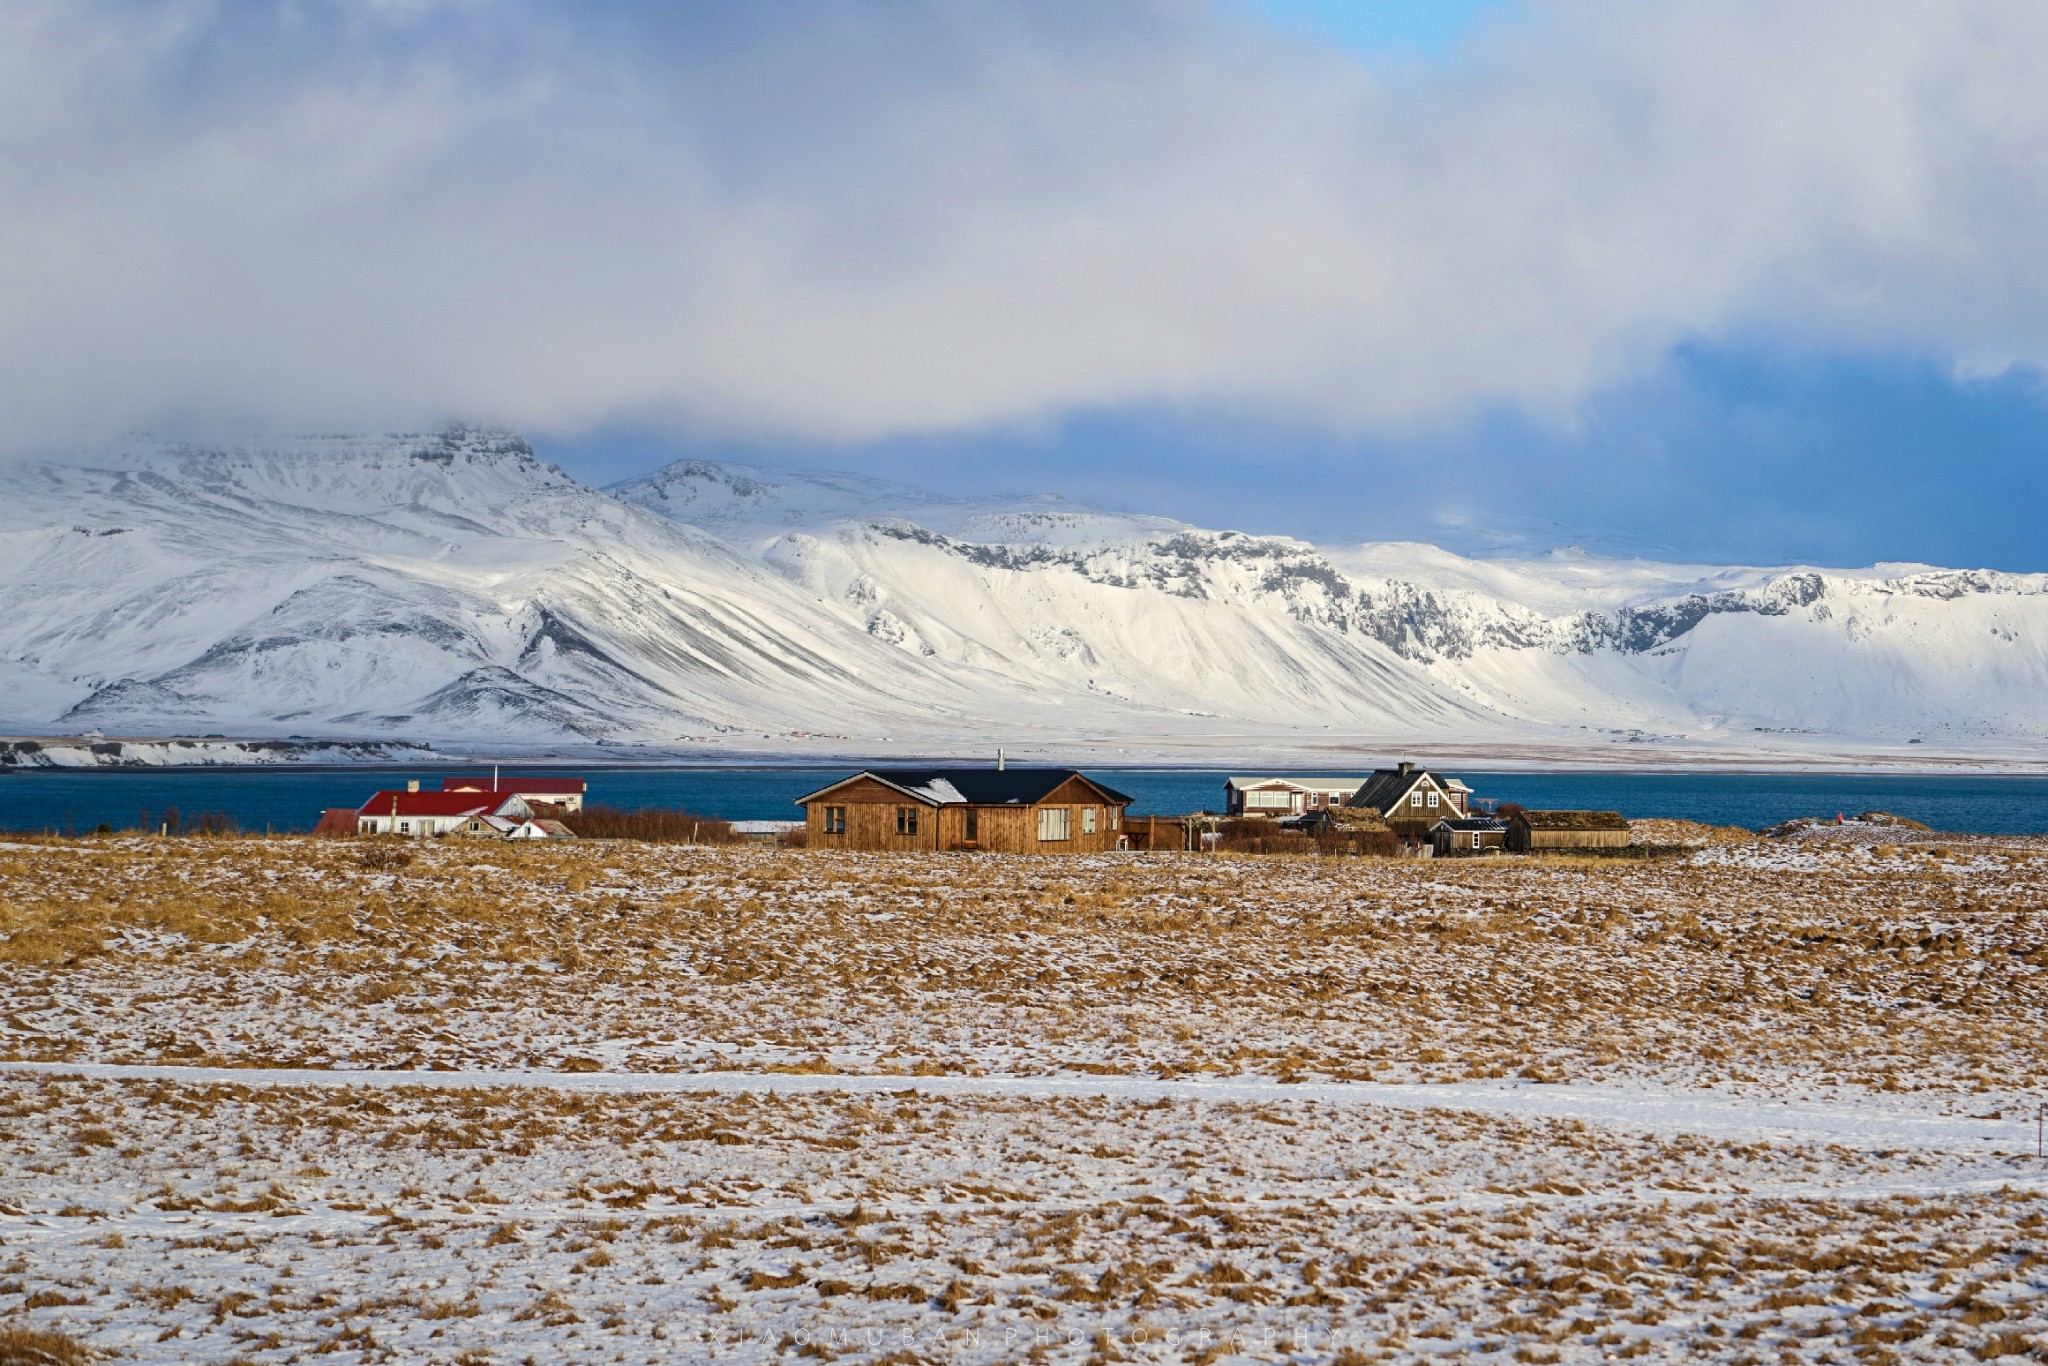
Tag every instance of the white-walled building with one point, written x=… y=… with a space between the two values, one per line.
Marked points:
x=1286 y=796
x=418 y=814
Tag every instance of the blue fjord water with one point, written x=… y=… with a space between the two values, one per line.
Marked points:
x=291 y=800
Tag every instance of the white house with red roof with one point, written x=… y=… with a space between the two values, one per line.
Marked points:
x=420 y=814
x=566 y=793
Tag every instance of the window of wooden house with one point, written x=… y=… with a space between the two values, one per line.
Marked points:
x=1116 y=818
x=1087 y=820
x=906 y=820
x=405 y=827
x=835 y=820
x=973 y=825
x=1053 y=823
x=1415 y=798
x=1475 y=839
x=1433 y=797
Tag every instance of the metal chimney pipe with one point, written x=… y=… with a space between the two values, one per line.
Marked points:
x=999 y=761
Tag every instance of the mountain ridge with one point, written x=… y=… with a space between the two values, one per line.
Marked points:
x=453 y=585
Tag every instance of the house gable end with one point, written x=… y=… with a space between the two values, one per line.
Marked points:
x=1081 y=790
x=865 y=787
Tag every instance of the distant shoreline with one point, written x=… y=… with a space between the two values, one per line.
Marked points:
x=1746 y=767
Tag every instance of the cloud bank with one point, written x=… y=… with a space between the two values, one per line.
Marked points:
x=848 y=223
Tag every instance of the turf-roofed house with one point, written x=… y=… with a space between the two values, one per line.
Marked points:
x=1000 y=810
x=1532 y=832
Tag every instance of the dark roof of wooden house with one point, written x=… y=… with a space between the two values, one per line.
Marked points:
x=1387 y=786
x=974 y=786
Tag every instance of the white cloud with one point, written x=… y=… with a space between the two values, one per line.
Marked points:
x=848 y=222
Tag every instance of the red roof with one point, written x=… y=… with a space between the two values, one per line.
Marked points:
x=337 y=820
x=427 y=804
x=564 y=787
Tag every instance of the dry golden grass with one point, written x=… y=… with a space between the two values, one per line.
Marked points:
x=25 y=1347
x=1810 y=964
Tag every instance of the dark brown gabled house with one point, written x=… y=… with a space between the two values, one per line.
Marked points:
x=1412 y=799
x=1001 y=810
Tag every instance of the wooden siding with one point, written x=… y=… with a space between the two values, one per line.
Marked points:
x=1577 y=839
x=1446 y=804
x=1452 y=843
x=1523 y=840
x=870 y=819
x=871 y=822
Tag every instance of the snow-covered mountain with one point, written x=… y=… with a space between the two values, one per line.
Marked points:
x=451 y=586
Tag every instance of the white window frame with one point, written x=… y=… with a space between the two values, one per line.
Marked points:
x=1055 y=823
x=1269 y=799
x=1434 y=799
x=1415 y=797
x=1476 y=834
x=1087 y=820
x=1116 y=818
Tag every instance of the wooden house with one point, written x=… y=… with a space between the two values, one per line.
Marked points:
x=1001 y=810
x=1469 y=835
x=1536 y=831
x=1412 y=799
x=1285 y=796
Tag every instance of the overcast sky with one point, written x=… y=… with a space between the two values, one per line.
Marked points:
x=1724 y=279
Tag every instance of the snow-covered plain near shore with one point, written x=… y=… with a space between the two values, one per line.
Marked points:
x=1763 y=1099
x=450 y=587
x=128 y=752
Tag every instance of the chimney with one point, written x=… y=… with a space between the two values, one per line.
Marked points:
x=999 y=761
x=412 y=784
x=1406 y=768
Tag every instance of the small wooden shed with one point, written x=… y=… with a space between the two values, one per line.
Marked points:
x=1469 y=835
x=1537 y=831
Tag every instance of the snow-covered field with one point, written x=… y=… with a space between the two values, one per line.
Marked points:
x=1766 y=1100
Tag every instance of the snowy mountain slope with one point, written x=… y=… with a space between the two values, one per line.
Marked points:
x=758 y=503
x=452 y=586
x=1251 y=626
